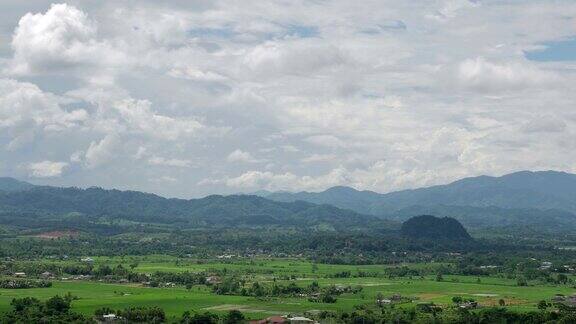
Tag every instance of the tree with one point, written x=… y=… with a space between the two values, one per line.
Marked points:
x=314 y=268
x=562 y=278
x=439 y=277
x=196 y=318
x=327 y=298
x=234 y=317
x=501 y=302
x=457 y=299
x=542 y=305
x=20 y=304
x=57 y=304
x=521 y=281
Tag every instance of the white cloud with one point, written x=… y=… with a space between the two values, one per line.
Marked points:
x=62 y=38
x=191 y=73
x=325 y=140
x=285 y=181
x=484 y=75
x=319 y=158
x=101 y=152
x=545 y=124
x=158 y=160
x=26 y=111
x=293 y=57
x=46 y=169
x=138 y=117
x=241 y=156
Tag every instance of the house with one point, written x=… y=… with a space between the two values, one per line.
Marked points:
x=469 y=305
x=558 y=298
x=213 y=280
x=571 y=300
x=20 y=274
x=545 y=265
x=109 y=317
x=46 y=275
x=226 y=256
x=396 y=297
x=384 y=301
x=300 y=320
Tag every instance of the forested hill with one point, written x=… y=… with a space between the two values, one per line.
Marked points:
x=428 y=227
x=11 y=184
x=99 y=205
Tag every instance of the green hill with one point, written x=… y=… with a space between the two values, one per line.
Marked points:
x=97 y=208
x=428 y=227
x=11 y=184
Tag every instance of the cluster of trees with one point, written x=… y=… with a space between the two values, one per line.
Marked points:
x=24 y=283
x=232 y=317
x=429 y=313
x=32 y=310
x=235 y=286
x=134 y=314
x=115 y=273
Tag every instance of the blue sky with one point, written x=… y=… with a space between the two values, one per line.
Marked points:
x=564 y=50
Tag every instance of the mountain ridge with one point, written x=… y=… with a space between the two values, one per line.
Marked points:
x=11 y=184
x=535 y=193
x=97 y=205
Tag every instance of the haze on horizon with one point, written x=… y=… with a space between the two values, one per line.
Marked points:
x=197 y=97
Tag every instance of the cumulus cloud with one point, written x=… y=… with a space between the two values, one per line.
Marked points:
x=191 y=73
x=101 y=152
x=26 y=111
x=241 y=156
x=46 y=169
x=284 y=181
x=294 y=57
x=481 y=74
x=62 y=38
x=138 y=117
x=325 y=140
x=158 y=160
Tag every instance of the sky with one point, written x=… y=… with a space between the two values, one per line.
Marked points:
x=190 y=98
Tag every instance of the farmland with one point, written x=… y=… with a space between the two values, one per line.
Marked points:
x=91 y=294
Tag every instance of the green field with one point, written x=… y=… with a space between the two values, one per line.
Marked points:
x=93 y=295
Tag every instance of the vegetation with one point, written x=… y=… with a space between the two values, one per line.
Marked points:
x=81 y=256
x=434 y=228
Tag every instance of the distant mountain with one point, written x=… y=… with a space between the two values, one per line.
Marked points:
x=342 y=197
x=11 y=184
x=99 y=206
x=533 y=194
x=434 y=228
x=520 y=190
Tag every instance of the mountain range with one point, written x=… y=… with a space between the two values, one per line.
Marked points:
x=539 y=201
x=28 y=206
x=525 y=198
